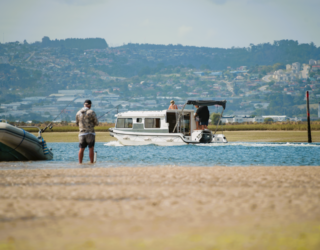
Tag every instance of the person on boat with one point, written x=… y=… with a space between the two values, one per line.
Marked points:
x=172 y=105
x=204 y=114
x=86 y=119
x=196 y=117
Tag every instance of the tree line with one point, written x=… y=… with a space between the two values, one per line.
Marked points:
x=75 y=43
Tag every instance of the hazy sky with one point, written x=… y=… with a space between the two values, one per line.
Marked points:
x=210 y=23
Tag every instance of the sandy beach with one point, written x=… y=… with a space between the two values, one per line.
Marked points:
x=160 y=208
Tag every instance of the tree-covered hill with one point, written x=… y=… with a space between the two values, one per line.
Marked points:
x=75 y=43
x=284 y=52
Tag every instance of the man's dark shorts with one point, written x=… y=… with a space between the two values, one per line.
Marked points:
x=87 y=140
x=204 y=123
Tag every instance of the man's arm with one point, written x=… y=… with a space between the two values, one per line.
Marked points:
x=95 y=119
x=77 y=120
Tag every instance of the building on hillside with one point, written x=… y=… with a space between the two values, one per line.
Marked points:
x=315 y=68
x=312 y=62
x=296 y=67
x=277 y=118
x=219 y=73
x=52 y=110
x=82 y=100
x=111 y=97
x=66 y=100
x=14 y=113
x=34 y=99
x=56 y=95
x=304 y=74
x=150 y=102
x=281 y=75
x=199 y=73
x=75 y=92
x=239 y=71
x=13 y=105
x=241 y=119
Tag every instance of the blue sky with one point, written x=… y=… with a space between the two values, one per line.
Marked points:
x=209 y=23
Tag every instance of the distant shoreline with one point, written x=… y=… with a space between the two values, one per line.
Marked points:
x=277 y=126
x=232 y=136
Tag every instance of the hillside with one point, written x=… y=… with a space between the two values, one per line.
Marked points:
x=262 y=79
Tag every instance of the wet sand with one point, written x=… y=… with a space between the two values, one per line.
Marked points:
x=160 y=208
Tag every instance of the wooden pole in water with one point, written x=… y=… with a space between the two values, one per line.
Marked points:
x=308 y=118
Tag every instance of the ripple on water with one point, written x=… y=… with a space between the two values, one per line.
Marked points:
x=113 y=154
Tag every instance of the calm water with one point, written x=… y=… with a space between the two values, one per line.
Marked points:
x=112 y=154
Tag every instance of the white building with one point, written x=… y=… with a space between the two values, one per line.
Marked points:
x=241 y=119
x=34 y=99
x=276 y=118
x=281 y=75
x=296 y=67
x=312 y=62
x=305 y=72
x=65 y=99
x=111 y=97
x=75 y=92
x=13 y=105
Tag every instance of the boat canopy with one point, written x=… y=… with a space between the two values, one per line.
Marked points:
x=207 y=103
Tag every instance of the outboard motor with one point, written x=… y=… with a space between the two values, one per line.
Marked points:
x=206 y=136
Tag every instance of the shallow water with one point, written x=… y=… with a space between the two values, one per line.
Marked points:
x=112 y=154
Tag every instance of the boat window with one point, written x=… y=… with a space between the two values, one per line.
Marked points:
x=124 y=123
x=152 y=122
x=139 y=120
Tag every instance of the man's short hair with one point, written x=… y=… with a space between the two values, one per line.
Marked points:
x=87 y=102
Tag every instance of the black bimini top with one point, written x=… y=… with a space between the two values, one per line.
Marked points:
x=207 y=103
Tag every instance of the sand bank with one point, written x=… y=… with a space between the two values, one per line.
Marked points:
x=161 y=208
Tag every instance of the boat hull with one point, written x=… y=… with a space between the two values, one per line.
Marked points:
x=17 y=144
x=136 y=140
x=160 y=139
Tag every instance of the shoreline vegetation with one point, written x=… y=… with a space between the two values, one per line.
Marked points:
x=232 y=136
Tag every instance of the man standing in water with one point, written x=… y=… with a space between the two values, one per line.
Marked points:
x=86 y=119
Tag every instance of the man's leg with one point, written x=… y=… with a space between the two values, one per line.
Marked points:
x=91 y=141
x=91 y=154
x=80 y=155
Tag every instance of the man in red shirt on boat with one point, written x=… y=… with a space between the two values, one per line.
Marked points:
x=86 y=119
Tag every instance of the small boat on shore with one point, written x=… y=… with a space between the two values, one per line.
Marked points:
x=16 y=144
x=164 y=128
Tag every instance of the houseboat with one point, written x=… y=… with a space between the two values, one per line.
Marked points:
x=165 y=128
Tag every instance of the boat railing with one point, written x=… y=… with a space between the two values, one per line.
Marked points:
x=204 y=103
